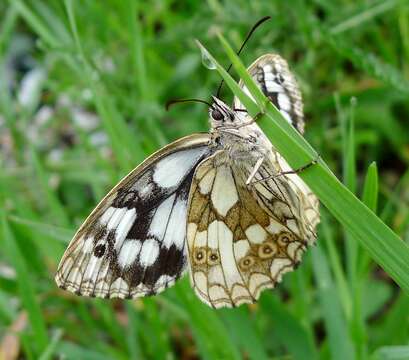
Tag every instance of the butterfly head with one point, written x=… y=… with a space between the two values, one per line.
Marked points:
x=221 y=115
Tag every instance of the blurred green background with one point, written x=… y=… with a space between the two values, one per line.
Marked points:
x=82 y=91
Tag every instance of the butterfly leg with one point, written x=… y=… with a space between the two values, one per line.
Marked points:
x=258 y=116
x=296 y=171
x=255 y=169
x=262 y=112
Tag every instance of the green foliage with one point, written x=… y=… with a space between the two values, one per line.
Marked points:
x=117 y=63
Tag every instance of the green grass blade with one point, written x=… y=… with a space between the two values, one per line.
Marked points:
x=7 y=26
x=35 y=21
x=72 y=351
x=327 y=234
x=391 y=353
x=338 y=336
x=56 y=209
x=367 y=14
x=52 y=346
x=161 y=344
x=370 y=198
x=381 y=242
x=370 y=192
x=58 y=233
x=120 y=135
x=132 y=333
x=348 y=140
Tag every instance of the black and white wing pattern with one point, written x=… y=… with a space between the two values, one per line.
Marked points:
x=242 y=239
x=272 y=74
x=133 y=243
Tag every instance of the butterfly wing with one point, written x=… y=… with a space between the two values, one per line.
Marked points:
x=243 y=238
x=133 y=243
x=273 y=76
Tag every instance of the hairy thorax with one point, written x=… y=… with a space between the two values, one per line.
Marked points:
x=245 y=144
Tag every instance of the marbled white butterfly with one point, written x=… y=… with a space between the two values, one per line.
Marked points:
x=208 y=203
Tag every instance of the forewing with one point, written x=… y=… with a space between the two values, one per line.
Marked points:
x=243 y=238
x=133 y=243
x=273 y=76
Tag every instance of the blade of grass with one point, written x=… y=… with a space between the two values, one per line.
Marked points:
x=52 y=346
x=356 y=323
x=35 y=21
x=134 y=326
x=393 y=330
x=370 y=192
x=161 y=343
x=381 y=242
x=370 y=198
x=349 y=178
x=118 y=131
x=7 y=26
x=326 y=230
x=348 y=142
x=57 y=212
x=72 y=351
x=368 y=14
x=338 y=336
x=58 y=233
x=391 y=353
x=145 y=92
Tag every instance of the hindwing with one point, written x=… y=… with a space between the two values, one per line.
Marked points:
x=274 y=78
x=243 y=238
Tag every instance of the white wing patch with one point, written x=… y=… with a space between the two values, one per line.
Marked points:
x=149 y=252
x=164 y=210
x=170 y=171
x=224 y=193
x=129 y=252
x=176 y=227
x=123 y=227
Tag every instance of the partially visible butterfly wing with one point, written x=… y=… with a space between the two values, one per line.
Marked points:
x=133 y=243
x=243 y=238
x=310 y=203
x=275 y=79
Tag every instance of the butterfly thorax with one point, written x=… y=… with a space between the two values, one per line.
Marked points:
x=236 y=134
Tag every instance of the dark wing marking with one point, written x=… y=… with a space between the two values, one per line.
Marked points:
x=133 y=243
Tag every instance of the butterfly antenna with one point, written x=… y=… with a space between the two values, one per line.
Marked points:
x=177 y=101
x=255 y=26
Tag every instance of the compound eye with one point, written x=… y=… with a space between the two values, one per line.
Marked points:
x=217 y=115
